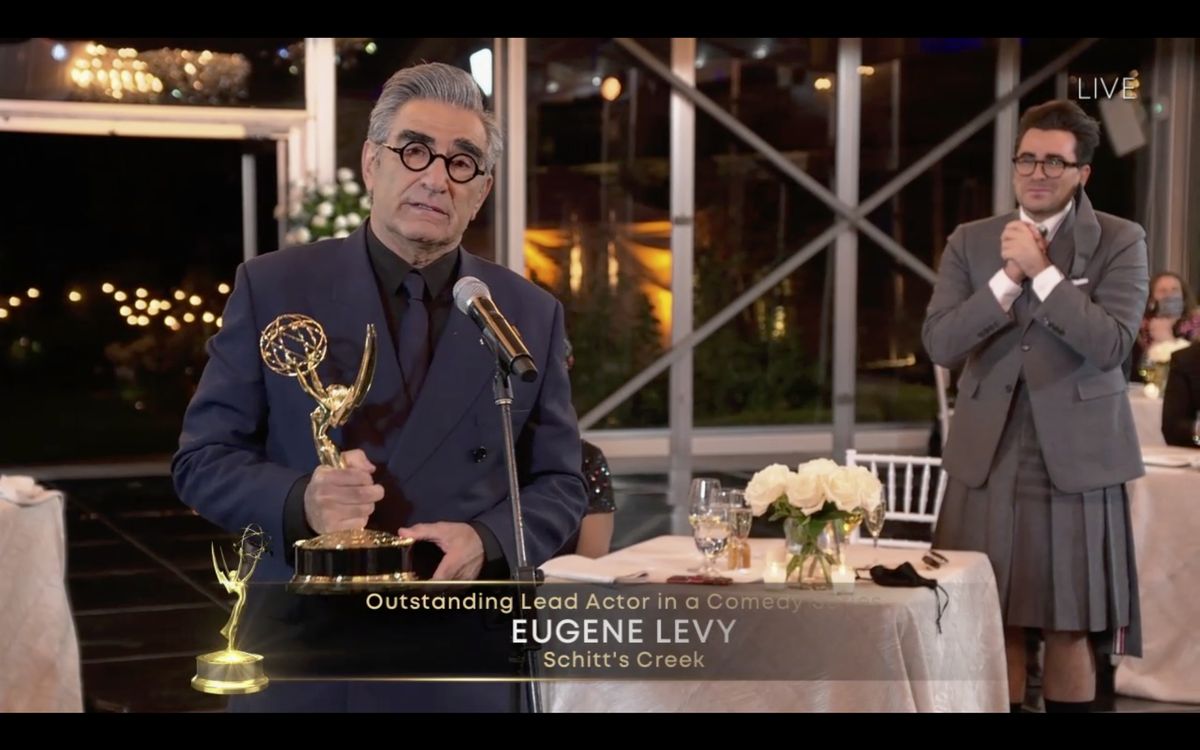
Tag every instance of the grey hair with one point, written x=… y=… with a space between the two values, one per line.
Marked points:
x=438 y=82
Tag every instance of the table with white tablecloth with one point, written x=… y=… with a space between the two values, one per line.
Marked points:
x=1165 y=511
x=877 y=650
x=1147 y=417
x=38 y=647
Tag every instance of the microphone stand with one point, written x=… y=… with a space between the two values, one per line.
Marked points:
x=527 y=575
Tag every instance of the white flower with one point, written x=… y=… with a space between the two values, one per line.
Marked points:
x=320 y=222
x=820 y=466
x=341 y=233
x=353 y=220
x=351 y=188
x=327 y=191
x=339 y=222
x=823 y=469
x=303 y=235
x=294 y=209
x=345 y=175
x=365 y=203
x=867 y=488
x=1161 y=352
x=325 y=209
x=842 y=489
x=767 y=486
x=804 y=492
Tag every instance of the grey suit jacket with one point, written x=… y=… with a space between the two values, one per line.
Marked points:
x=1070 y=353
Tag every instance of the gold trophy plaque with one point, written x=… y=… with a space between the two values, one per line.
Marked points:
x=294 y=345
x=230 y=671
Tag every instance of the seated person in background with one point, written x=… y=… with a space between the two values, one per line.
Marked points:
x=1181 y=401
x=1170 y=314
x=595 y=533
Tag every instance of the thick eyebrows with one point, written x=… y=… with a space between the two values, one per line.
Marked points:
x=468 y=147
x=461 y=145
x=409 y=136
x=1032 y=155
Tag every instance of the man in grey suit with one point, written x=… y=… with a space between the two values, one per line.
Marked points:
x=1042 y=306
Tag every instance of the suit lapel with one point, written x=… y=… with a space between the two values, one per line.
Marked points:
x=1087 y=237
x=1062 y=249
x=348 y=306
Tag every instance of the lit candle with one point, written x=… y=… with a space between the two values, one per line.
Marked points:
x=843 y=580
x=775 y=574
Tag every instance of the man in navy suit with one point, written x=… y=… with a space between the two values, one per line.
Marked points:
x=423 y=454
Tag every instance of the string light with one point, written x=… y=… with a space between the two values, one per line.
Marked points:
x=156 y=76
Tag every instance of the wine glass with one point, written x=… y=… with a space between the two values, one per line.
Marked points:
x=704 y=494
x=711 y=532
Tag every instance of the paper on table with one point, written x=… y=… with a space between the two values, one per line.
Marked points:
x=1171 y=461
x=588 y=570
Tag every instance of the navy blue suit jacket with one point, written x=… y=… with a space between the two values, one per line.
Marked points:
x=247 y=438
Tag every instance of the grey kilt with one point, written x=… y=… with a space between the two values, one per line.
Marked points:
x=1063 y=562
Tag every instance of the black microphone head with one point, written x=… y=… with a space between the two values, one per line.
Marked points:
x=468 y=288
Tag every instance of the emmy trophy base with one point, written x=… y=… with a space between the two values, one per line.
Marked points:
x=352 y=561
x=229 y=673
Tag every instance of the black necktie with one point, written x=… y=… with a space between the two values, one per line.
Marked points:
x=413 y=346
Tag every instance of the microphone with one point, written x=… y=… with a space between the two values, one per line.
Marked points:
x=472 y=298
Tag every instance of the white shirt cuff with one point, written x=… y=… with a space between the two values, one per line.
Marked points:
x=1005 y=289
x=1045 y=282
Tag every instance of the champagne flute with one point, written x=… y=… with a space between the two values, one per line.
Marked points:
x=873 y=519
x=741 y=518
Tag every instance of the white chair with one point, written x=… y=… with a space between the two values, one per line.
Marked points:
x=941 y=379
x=917 y=507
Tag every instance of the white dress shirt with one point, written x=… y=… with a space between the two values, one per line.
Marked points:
x=1006 y=290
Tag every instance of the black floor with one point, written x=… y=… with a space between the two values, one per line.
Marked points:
x=146 y=600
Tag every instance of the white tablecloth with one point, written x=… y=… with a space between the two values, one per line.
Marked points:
x=888 y=632
x=1165 y=509
x=39 y=653
x=1147 y=417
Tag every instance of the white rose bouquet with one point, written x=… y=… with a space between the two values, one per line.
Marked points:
x=819 y=494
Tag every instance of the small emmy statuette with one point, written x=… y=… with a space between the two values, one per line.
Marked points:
x=230 y=671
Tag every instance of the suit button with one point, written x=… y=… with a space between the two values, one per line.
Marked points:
x=1025 y=347
x=1008 y=389
x=479 y=454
